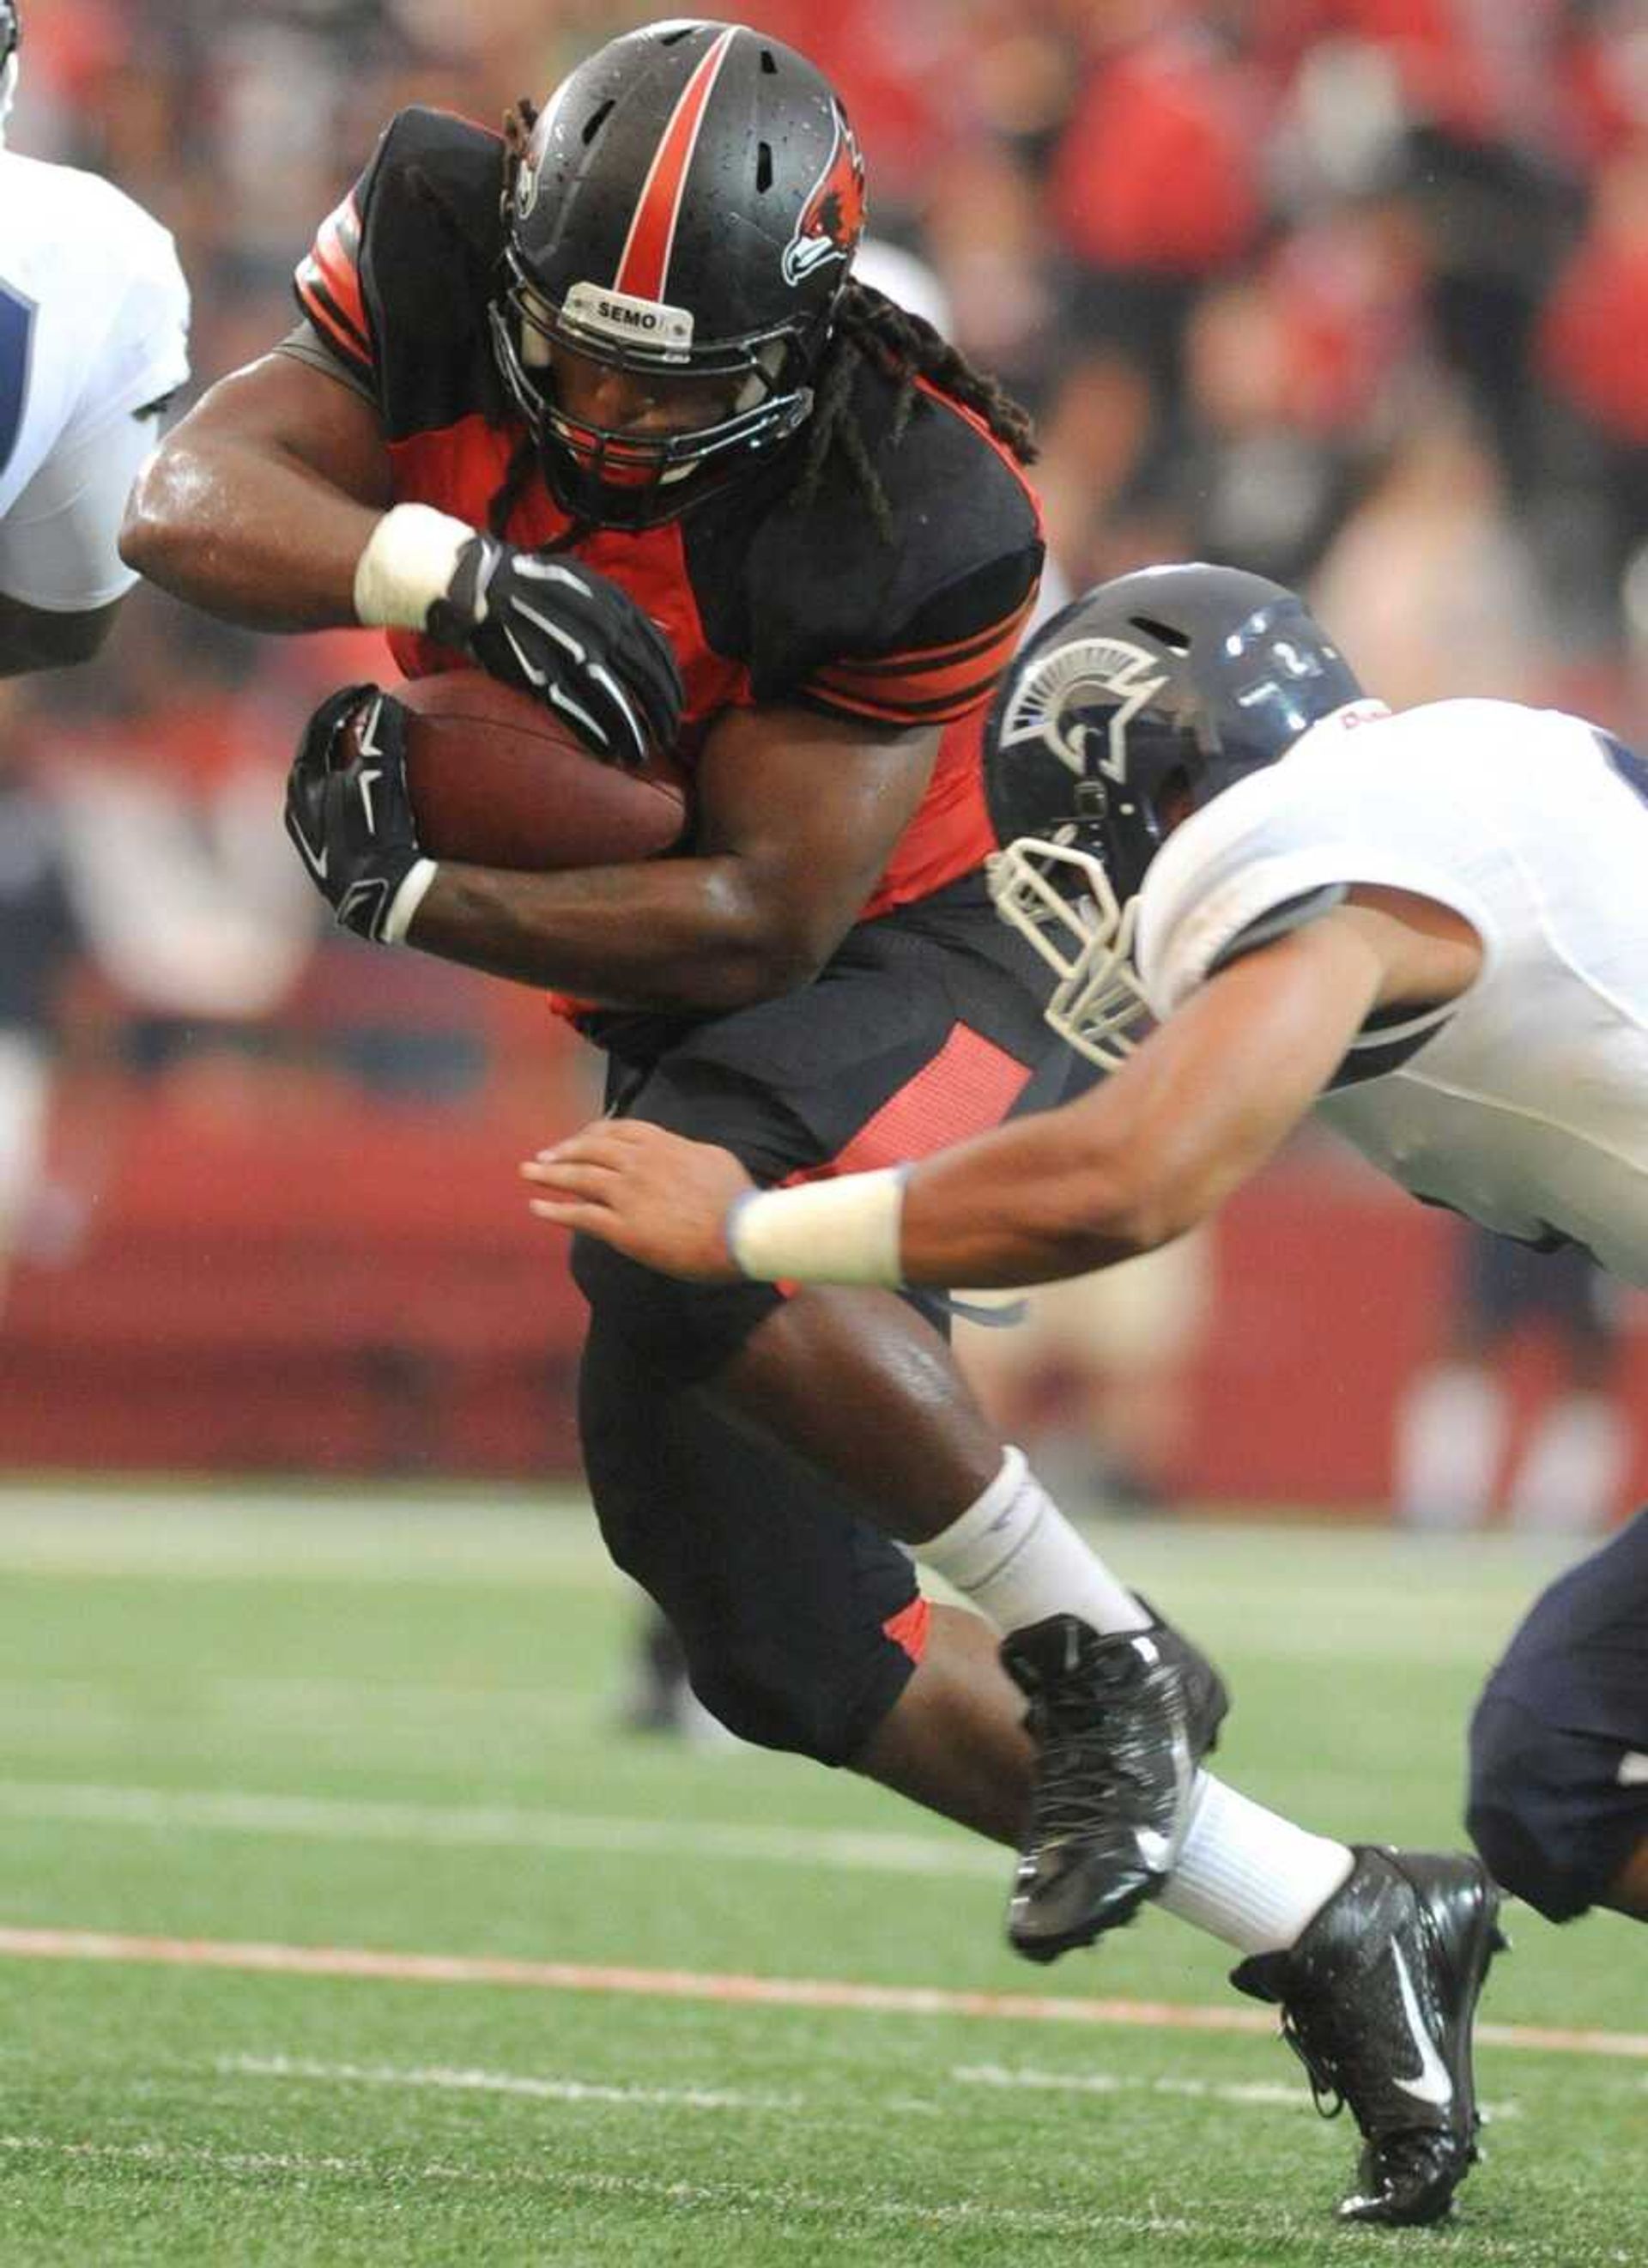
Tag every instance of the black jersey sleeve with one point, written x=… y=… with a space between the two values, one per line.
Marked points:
x=327 y=283
x=909 y=626
x=395 y=284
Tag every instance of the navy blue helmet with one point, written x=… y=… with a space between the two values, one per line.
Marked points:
x=1139 y=704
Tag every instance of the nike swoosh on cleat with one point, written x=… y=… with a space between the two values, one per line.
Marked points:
x=1432 y=2084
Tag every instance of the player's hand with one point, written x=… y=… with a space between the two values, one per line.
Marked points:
x=658 y=1197
x=349 y=815
x=571 y=637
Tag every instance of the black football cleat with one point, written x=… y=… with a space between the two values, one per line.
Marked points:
x=1378 y=1999
x=1207 y=1700
x=1117 y=1762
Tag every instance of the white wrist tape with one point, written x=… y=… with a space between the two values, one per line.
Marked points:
x=407 y=565
x=839 y=1232
x=410 y=896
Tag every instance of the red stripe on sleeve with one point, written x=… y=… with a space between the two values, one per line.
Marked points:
x=330 y=284
x=928 y=686
x=644 y=265
x=919 y=687
x=958 y=650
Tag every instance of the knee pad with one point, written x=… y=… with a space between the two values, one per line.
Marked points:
x=685 y=1331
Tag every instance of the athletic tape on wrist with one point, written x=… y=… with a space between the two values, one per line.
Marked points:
x=408 y=562
x=406 y=900
x=835 y=1232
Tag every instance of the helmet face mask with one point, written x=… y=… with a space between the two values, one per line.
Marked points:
x=1138 y=704
x=686 y=210
x=621 y=476
x=1059 y=898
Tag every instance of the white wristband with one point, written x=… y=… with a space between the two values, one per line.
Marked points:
x=836 y=1232
x=408 y=564
x=406 y=900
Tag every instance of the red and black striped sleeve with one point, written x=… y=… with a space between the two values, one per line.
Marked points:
x=906 y=618
x=935 y=684
x=329 y=290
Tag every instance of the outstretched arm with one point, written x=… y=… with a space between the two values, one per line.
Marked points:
x=1159 y=1147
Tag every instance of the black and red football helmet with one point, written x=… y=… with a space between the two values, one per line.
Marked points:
x=689 y=204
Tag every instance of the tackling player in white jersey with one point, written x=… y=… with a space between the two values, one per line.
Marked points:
x=94 y=342
x=1430 y=928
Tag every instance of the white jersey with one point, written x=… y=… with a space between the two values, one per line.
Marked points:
x=1525 y=1103
x=93 y=330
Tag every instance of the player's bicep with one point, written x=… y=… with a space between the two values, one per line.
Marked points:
x=283 y=407
x=811 y=807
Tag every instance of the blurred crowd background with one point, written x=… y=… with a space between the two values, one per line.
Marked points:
x=1352 y=292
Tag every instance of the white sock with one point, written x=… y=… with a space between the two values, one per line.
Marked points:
x=1450 y=1428
x=1574 y=1469
x=1018 y=1559
x=1249 y=1876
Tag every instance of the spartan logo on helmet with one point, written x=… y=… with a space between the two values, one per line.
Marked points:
x=1088 y=674
x=832 y=220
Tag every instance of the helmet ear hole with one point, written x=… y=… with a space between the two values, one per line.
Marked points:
x=1164 y=633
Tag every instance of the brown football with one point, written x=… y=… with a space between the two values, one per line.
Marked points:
x=497 y=780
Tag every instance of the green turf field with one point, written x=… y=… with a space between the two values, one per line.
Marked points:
x=239 y=1721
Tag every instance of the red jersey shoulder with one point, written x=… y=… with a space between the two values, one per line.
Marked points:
x=908 y=627
x=397 y=280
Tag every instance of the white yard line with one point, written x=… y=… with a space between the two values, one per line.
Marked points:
x=350 y=1819
x=444 y=2079
x=1268 y=2095
x=920 y=2000
x=1271 y=2094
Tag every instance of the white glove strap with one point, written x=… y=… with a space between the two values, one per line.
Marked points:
x=837 y=1232
x=408 y=564
x=406 y=900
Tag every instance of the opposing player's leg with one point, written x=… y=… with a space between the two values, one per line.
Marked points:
x=1558 y=1803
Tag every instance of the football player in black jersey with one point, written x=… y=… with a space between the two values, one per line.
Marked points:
x=598 y=407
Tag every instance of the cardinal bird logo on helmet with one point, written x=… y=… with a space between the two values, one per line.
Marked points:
x=832 y=219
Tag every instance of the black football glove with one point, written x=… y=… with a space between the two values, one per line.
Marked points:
x=349 y=815
x=570 y=637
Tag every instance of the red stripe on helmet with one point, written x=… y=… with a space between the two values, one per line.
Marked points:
x=644 y=266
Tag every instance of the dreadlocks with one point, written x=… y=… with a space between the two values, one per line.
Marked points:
x=871 y=328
